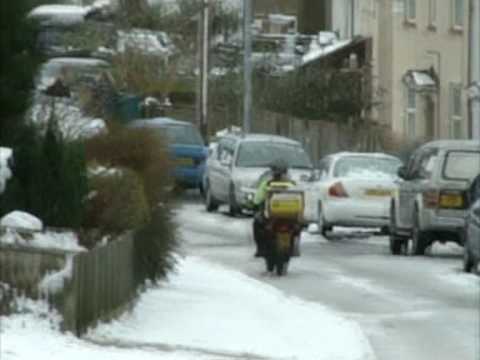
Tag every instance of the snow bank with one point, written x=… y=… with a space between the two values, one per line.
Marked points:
x=23 y=220
x=34 y=334
x=209 y=309
x=63 y=241
x=5 y=173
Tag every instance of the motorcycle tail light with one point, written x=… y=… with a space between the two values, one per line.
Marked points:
x=337 y=190
x=430 y=199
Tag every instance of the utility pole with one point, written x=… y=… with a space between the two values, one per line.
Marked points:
x=202 y=88
x=474 y=89
x=206 y=22
x=247 y=62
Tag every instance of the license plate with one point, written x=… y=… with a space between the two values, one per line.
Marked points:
x=378 y=192
x=184 y=161
x=284 y=240
x=451 y=201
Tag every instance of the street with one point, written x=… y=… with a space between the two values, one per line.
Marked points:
x=409 y=307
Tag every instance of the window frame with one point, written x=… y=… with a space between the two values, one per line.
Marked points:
x=456 y=26
x=411 y=113
x=456 y=119
x=409 y=19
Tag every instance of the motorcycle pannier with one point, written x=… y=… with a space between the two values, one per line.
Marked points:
x=285 y=205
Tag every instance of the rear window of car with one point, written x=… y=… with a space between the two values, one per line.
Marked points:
x=366 y=166
x=183 y=135
x=461 y=165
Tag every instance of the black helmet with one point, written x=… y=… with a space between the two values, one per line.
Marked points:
x=279 y=167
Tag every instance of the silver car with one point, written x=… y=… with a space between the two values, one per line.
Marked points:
x=472 y=229
x=236 y=163
x=431 y=202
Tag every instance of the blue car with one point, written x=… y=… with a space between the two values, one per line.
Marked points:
x=186 y=146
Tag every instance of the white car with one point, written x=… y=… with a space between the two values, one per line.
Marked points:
x=355 y=190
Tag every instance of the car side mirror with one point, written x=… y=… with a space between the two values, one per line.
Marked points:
x=402 y=172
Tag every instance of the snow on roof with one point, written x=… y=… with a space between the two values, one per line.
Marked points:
x=5 y=172
x=65 y=14
x=321 y=48
x=281 y=18
x=151 y=42
x=423 y=79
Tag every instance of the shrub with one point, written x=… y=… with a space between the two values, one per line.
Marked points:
x=139 y=150
x=117 y=202
x=154 y=246
x=49 y=178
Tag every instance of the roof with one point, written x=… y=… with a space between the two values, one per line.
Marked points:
x=362 y=154
x=454 y=144
x=158 y=122
x=420 y=80
x=262 y=138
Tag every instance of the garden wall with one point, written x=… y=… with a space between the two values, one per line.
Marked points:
x=100 y=283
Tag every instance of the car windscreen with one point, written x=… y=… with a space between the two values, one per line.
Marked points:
x=263 y=153
x=461 y=165
x=366 y=166
x=182 y=135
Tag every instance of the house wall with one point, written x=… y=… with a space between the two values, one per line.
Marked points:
x=406 y=45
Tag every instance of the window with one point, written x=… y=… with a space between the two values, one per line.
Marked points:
x=432 y=13
x=458 y=11
x=410 y=10
x=411 y=113
x=427 y=163
x=456 y=113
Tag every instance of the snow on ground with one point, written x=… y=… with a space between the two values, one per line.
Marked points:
x=5 y=173
x=204 y=312
x=34 y=334
x=211 y=309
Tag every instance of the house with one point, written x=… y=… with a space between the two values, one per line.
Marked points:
x=420 y=58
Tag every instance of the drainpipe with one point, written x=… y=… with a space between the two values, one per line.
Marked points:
x=474 y=70
x=437 y=131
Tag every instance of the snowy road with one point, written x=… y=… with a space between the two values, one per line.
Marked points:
x=345 y=299
x=412 y=308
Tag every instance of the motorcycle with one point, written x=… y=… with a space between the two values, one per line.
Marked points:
x=283 y=213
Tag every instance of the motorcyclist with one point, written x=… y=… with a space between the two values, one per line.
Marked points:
x=278 y=173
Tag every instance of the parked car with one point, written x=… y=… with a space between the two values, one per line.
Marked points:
x=186 y=146
x=238 y=161
x=355 y=190
x=431 y=202
x=472 y=229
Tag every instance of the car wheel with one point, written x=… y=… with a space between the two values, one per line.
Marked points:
x=397 y=243
x=419 y=238
x=210 y=203
x=233 y=208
